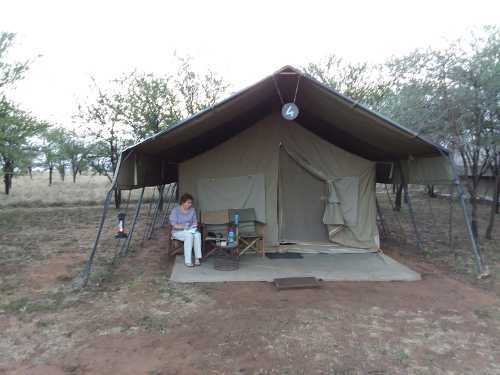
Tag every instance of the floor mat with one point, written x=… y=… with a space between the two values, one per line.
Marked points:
x=284 y=256
x=327 y=267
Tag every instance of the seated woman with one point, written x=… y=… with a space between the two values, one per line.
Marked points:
x=182 y=218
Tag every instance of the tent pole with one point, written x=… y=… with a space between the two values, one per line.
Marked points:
x=436 y=224
x=382 y=220
x=160 y=197
x=166 y=209
x=168 y=205
x=451 y=214
x=135 y=219
x=96 y=241
x=147 y=218
x=395 y=213
x=460 y=193
x=405 y=186
x=137 y=208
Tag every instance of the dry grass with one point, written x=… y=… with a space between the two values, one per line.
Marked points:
x=48 y=319
x=443 y=231
x=88 y=190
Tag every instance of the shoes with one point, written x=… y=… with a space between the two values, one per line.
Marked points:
x=197 y=263
x=189 y=265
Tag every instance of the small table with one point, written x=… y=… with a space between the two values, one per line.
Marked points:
x=226 y=258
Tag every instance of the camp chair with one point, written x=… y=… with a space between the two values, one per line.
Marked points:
x=249 y=230
x=213 y=222
x=174 y=246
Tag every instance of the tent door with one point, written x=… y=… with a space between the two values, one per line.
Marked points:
x=301 y=204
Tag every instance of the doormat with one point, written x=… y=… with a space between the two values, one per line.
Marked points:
x=296 y=283
x=284 y=256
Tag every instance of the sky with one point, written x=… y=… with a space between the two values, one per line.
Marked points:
x=243 y=42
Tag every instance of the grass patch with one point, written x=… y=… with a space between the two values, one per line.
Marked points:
x=149 y=324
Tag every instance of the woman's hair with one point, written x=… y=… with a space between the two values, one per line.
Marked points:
x=185 y=197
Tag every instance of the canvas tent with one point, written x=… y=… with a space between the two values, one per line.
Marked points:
x=311 y=180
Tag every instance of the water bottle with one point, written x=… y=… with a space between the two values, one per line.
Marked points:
x=231 y=238
x=236 y=219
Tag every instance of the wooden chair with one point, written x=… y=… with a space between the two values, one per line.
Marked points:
x=212 y=222
x=249 y=231
x=174 y=246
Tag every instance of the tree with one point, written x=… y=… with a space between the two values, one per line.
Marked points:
x=197 y=92
x=150 y=104
x=451 y=97
x=17 y=128
x=17 y=134
x=104 y=117
x=76 y=149
x=10 y=72
x=361 y=82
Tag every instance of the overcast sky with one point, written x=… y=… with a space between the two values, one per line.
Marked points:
x=241 y=41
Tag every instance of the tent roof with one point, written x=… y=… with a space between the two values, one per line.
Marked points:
x=322 y=110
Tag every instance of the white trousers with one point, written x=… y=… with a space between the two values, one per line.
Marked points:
x=189 y=240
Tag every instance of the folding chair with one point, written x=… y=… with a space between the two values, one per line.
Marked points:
x=174 y=246
x=249 y=231
x=213 y=222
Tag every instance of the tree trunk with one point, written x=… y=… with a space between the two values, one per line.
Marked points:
x=118 y=198
x=50 y=175
x=7 y=177
x=399 y=193
x=7 y=183
x=494 y=207
x=430 y=190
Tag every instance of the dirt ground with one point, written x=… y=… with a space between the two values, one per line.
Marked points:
x=130 y=319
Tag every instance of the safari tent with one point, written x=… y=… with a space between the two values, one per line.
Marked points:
x=311 y=176
x=309 y=169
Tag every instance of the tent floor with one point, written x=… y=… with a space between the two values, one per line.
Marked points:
x=326 y=267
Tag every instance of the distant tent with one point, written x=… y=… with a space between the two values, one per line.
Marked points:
x=311 y=179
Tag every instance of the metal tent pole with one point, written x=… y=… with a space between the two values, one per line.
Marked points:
x=135 y=219
x=166 y=210
x=405 y=186
x=382 y=220
x=395 y=213
x=460 y=193
x=147 y=218
x=168 y=205
x=96 y=241
x=436 y=225
x=160 y=197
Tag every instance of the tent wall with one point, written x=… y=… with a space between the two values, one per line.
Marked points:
x=259 y=150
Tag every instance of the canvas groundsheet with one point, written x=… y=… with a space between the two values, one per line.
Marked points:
x=327 y=267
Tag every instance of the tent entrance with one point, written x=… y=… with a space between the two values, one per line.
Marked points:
x=301 y=207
